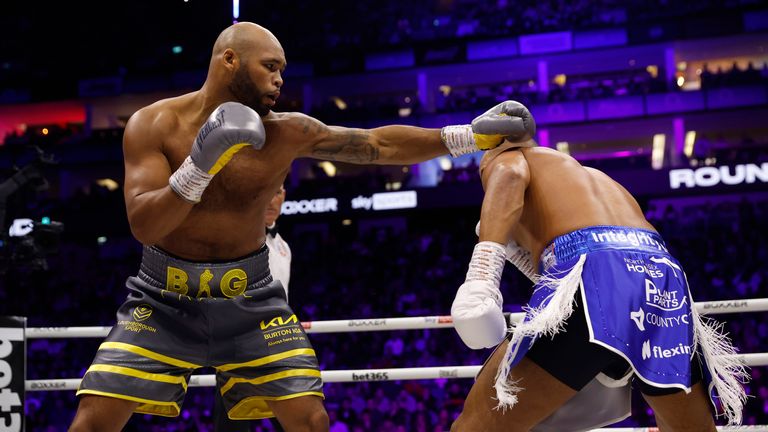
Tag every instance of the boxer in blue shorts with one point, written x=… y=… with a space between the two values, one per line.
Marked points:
x=610 y=307
x=200 y=169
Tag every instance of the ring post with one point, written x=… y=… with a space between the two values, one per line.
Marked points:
x=13 y=372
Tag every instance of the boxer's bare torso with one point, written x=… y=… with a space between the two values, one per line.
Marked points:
x=563 y=196
x=228 y=222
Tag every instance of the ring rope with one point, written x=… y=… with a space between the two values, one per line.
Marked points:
x=340 y=376
x=753 y=428
x=406 y=323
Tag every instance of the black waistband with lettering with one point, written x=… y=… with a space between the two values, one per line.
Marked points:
x=205 y=279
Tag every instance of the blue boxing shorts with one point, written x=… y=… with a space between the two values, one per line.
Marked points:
x=616 y=298
x=180 y=316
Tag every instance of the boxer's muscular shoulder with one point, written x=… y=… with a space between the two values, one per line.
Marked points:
x=513 y=159
x=153 y=121
x=534 y=152
x=297 y=130
x=546 y=159
x=293 y=123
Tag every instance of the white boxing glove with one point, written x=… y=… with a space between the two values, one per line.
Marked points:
x=476 y=310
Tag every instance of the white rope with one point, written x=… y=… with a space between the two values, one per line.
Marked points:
x=340 y=376
x=407 y=323
x=731 y=306
x=329 y=376
x=754 y=428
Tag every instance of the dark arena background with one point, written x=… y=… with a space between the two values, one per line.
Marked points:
x=670 y=98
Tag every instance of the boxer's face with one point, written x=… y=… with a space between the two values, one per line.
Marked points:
x=257 y=81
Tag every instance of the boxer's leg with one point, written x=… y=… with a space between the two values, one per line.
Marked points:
x=305 y=413
x=679 y=412
x=103 y=414
x=542 y=394
x=552 y=372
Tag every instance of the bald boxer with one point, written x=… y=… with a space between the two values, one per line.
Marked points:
x=200 y=169
x=610 y=305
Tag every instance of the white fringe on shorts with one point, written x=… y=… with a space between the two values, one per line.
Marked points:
x=547 y=320
x=725 y=366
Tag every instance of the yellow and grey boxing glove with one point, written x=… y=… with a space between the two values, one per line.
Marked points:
x=508 y=120
x=229 y=128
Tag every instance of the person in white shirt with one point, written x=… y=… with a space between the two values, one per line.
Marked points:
x=279 y=251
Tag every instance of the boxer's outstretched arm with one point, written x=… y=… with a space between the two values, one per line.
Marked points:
x=384 y=145
x=505 y=181
x=388 y=145
x=154 y=209
x=409 y=144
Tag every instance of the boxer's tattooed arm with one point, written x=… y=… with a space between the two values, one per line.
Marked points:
x=391 y=145
x=343 y=145
x=348 y=146
x=308 y=123
x=304 y=126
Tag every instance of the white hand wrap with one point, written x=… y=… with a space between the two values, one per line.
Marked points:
x=521 y=259
x=517 y=256
x=459 y=140
x=476 y=310
x=189 y=181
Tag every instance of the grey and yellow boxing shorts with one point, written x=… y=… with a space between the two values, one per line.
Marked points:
x=180 y=316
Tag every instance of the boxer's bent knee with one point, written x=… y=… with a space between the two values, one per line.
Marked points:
x=481 y=421
x=461 y=423
x=319 y=422
x=469 y=421
x=305 y=414
x=101 y=414
x=315 y=421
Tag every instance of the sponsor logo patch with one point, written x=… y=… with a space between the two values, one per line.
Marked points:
x=656 y=351
x=142 y=312
x=642 y=318
x=660 y=299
